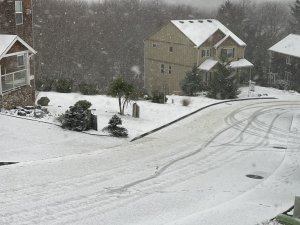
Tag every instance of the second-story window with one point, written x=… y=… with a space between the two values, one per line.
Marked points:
x=205 y=53
x=19 y=12
x=155 y=45
x=288 y=60
x=170 y=69
x=171 y=49
x=162 y=68
x=227 y=53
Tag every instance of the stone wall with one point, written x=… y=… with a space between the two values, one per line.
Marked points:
x=22 y=96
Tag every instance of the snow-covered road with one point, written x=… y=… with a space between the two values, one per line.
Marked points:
x=191 y=173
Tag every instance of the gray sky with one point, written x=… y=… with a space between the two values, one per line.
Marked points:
x=213 y=3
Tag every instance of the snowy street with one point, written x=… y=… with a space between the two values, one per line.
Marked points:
x=191 y=173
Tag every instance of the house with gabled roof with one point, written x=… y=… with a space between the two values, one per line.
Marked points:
x=16 y=68
x=182 y=44
x=285 y=62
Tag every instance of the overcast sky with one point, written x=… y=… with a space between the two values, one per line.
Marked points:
x=213 y=3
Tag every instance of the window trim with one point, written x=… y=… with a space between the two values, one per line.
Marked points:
x=155 y=45
x=207 y=53
x=17 y=12
x=23 y=56
x=233 y=52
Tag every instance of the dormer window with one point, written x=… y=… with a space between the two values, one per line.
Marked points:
x=19 y=12
x=205 y=53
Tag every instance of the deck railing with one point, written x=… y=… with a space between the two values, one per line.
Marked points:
x=13 y=80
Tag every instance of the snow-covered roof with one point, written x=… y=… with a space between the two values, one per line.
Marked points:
x=7 y=41
x=242 y=63
x=198 y=31
x=208 y=64
x=290 y=45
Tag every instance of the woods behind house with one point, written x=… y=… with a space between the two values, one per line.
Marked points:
x=92 y=43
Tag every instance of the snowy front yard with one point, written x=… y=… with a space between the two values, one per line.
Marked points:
x=23 y=140
x=152 y=115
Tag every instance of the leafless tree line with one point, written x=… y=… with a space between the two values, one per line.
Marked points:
x=93 y=43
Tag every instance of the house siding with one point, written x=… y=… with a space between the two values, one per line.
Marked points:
x=181 y=59
x=185 y=55
x=280 y=67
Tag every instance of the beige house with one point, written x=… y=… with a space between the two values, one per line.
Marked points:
x=183 y=44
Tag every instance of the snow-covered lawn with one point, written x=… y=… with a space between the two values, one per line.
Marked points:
x=269 y=92
x=152 y=115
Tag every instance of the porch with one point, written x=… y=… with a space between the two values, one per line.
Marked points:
x=15 y=71
x=242 y=68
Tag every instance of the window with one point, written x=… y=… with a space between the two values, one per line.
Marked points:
x=170 y=49
x=170 y=69
x=19 y=12
x=155 y=45
x=227 y=53
x=287 y=76
x=20 y=60
x=288 y=60
x=162 y=68
x=205 y=53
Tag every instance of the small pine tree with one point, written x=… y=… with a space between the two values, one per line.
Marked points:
x=114 y=129
x=224 y=84
x=78 y=117
x=192 y=83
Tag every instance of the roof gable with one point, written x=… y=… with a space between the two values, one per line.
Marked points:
x=198 y=31
x=290 y=45
x=7 y=42
x=170 y=33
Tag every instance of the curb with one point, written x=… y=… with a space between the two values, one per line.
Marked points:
x=194 y=112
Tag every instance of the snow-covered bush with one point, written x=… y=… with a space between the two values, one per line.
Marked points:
x=114 y=129
x=88 y=89
x=43 y=101
x=159 y=97
x=78 y=117
x=64 y=85
x=281 y=84
x=45 y=84
x=83 y=104
x=185 y=102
